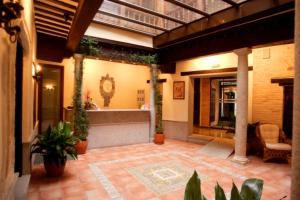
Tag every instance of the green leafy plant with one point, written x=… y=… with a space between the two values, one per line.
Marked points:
x=80 y=119
x=251 y=190
x=56 y=143
x=89 y=46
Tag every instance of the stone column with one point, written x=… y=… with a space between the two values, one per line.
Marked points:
x=242 y=106
x=153 y=81
x=296 y=113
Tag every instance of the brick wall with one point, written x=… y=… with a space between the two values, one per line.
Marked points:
x=276 y=61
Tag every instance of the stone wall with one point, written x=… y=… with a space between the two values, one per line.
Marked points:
x=268 y=63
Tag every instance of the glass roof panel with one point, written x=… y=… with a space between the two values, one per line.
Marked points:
x=208 y=6
x=125 y=24
x=157 y=16
x=133 y=14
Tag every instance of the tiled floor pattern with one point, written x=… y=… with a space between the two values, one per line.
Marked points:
x=152 y=172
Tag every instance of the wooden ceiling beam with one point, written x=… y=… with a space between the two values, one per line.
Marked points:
x=51 y=14
x=146 y=10
x=216 y=21
x=123 y=28
x=72 y=3
x=52 y=34
x=231 y=2
x=50 y=8
x=51 y=30
x=58 y=5
x=39 y=23
x=53 y=22
x=84 y=15
x=186 y=6
x=57 y=20
x=132 y=20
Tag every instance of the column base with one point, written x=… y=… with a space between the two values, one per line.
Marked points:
x=243 y=160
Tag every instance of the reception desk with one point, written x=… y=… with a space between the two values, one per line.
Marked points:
x=115 y=127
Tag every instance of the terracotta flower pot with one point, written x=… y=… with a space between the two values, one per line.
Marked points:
x=81 y=146
x=159 y=138
x=54 y=169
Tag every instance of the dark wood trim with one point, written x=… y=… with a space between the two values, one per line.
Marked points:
x=145 y=10
x=123 y=44
x=132 y=20
x=212 y=71
x=233 y=3
x=123 y=28
x=84 y=15
x=188 y=7
x=164 y=80
x=225 y=18
x=283 y=81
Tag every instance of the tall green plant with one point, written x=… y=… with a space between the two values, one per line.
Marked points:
x=80 y=119
x=56 y=143
x=251 y=190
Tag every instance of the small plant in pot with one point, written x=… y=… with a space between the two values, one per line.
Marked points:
x=159 y=137
x=54 y=145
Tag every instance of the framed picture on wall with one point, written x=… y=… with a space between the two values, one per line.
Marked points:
x=178 y=90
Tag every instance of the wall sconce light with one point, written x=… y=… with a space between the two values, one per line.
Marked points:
x=36 y=72
x=9 y=11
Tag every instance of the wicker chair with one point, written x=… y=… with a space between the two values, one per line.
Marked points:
x=274 y=142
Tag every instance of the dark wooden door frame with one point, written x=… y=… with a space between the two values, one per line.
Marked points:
x=18 y=109
x=40 y=90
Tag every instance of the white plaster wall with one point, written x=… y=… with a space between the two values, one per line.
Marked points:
x=177 y=110
x=110 y=33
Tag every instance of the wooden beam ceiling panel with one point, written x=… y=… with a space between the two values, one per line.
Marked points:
x=52 y=9
x=84 y=15
x=51 y=30
x=186 y=6
x=50 y=14
x=52 y=26
x=72 y=3
x=146 y=10
x=216 y=21
x=51 y=34
x=52 y=18
x=57 y=5
x=123 y=28
x=52 y=21
x=132 y=20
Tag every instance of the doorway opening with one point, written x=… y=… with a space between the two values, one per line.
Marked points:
x=51 y=96
x=18 y=109
x=214 y=106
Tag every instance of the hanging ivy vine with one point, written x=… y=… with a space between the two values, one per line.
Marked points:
x=80 y=119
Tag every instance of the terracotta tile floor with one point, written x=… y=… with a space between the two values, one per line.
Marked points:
x=103 y=174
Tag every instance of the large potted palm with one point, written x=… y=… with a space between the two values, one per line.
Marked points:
x=55 y=145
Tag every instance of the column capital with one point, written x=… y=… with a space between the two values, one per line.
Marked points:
x=242 y=51
x=78 y=56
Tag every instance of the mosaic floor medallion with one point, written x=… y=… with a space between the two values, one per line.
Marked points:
x=163 y=177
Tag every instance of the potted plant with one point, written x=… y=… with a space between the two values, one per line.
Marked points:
x=251 y=190
x=80 y=119
x=54 y=145
x=159 y=137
